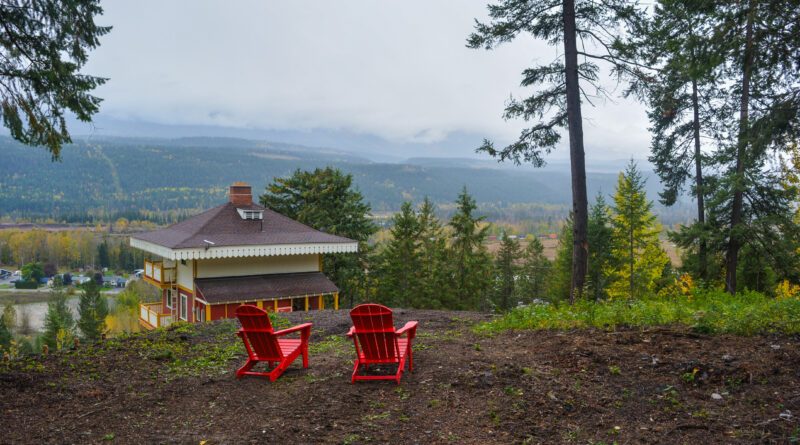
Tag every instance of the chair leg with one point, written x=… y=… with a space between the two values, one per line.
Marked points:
x=355 y=372
x=305 y=355
x=247 y=366
x=410 y=359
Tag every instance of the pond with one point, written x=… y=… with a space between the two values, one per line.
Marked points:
x=35 y=312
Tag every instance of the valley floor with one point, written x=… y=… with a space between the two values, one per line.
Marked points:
x=657 y=385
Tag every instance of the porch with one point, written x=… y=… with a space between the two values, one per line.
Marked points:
x=160 y=273
x=151 y=316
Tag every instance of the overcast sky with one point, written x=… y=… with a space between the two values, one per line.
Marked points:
x=392 y=71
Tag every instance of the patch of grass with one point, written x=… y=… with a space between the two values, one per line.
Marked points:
x=614 y=370
x=710 y=311
x=331 y=343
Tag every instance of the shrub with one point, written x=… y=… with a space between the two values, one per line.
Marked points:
x=26 y=284
x=711 y=311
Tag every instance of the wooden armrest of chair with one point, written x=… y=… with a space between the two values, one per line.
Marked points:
x=410 y=327
x=301 y=327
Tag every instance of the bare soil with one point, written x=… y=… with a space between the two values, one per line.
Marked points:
x=656 y=385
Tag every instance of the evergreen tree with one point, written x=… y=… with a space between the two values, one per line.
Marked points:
x=58 y=321
x=761 y=46
x=5 y=335
x=637 y=253
x=433 y=259
x=596 y=25
x=534 y=275
x=601 y=257
x=506 y=269
x=326 y=200
x=10 y=317
x=92 y=312
x=468 y=257
x=681 y=97
x=562 y=266
x=103 y=259
x=44 y=44
x=399 y=275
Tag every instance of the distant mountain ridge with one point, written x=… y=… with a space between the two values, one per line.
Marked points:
x=150 y=175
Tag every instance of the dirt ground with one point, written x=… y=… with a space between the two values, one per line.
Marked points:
x=656 y=385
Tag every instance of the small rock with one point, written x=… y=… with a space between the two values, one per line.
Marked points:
x=716 y=396
x=727 y=357
x=776 y=347
x=646 y=358
x=427 y=431
x=656 y=360
x=786 y=416
x=551 y=396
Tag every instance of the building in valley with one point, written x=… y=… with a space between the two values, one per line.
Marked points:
x=237 y=253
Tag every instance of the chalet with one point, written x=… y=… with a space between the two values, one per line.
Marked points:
x=237 y=253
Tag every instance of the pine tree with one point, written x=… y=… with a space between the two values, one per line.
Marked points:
x=433 y=259
x=44 y=45
x=581 y=26
x=534 y=275
x=681 y=96
x=562 y=266
x=5 y=336
x=399 y=280
x=58 y=321
x=761 y=48
x=327 y=201
x=103 y=259
x=10 y=316
x=601 y=257
x=469 y=260
x=92 y=312
x=506 y=271
x=637 y=253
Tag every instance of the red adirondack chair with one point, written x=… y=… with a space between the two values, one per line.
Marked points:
x=263 y=344
x=377 y=342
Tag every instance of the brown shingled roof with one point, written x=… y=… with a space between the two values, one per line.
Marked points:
x=224 y=227
x=263 y=287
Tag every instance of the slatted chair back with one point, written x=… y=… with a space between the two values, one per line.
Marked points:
x=259 y=334
x=375 y=333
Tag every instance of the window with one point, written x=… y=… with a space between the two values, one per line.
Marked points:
x=184 y=303
x=251 y=214
x=170 y=302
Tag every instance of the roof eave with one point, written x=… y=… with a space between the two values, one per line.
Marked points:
x=200 y=253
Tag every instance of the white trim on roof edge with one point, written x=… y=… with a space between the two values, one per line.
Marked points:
x=242 y=251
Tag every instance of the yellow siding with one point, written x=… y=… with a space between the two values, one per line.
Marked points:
x=231 y=267
x=186 y=275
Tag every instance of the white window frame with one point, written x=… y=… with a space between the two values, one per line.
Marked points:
x=169 y=299
x=184 y=306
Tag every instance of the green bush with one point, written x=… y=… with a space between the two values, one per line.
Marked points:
x=26 y=284
x=708 y=311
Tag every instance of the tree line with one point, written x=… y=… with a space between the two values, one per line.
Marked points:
x=425 y=262
x=720 y=80
x=68 y=250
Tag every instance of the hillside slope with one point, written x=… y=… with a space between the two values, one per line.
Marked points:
x=104 y=176
x=655 y=385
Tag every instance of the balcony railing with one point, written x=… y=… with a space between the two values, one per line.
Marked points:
x=151 y=316
x=159 y=274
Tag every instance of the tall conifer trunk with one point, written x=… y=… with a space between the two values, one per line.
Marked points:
x=738 y=194
x=580 y=203
x=701 y=212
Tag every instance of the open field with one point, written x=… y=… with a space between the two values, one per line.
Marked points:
x=662 y=384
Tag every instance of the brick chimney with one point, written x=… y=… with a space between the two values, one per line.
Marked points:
x=241 y=194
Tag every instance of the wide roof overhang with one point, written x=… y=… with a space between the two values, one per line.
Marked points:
x=211 y=252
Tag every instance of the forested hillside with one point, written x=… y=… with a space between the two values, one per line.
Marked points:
x=160 y=180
